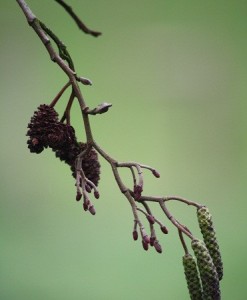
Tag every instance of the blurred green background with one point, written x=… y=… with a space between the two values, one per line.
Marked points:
x=176 y=74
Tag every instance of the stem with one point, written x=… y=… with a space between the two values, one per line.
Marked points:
x=33 y=21
x=54 y=101
x=78 y=21
x=183 y=241
x=66 y=114
x=174 y=221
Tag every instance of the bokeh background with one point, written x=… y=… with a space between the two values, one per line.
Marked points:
x=175 y=72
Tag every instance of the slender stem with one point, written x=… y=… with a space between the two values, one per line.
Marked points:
x=183 y=241
x=58 y=96
x=66 y=114
x=78 y=21
x=174 y=221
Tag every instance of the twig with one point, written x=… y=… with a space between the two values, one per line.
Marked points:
x=58 y=96
x=79 y=23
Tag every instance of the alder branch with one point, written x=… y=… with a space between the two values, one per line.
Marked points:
x=45 y=130
x=83 y=184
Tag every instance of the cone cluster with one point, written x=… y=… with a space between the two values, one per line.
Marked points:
x=45 y=130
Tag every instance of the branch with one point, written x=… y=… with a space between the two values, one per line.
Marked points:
x=46 y=131
x=78 y=21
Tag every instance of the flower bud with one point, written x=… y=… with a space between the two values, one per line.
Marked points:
x=156 y=174
x=144 y=245
x=135 y=235
x=157 y=246
x=85 y=206
x=78 y=196
x=96 y=194
x=164 y=229
x=92 y=209
x=138 y=191
x=152 y=240
x=151 y=219
x=146 y=239
x=88 y=188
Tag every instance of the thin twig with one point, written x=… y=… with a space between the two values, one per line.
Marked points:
x=183 y=241
x=58 y=96
x=78 y=21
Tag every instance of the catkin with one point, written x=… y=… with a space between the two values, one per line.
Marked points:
x=207 y=269
x=192 y=277
x=209 y=237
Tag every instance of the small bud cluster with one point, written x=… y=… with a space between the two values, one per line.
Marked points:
x=209 y=237
x=208 y=273
x=152 y=239
x=192 y=277
x=45 y=130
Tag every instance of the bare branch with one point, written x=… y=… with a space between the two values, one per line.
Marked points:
x=79 y=23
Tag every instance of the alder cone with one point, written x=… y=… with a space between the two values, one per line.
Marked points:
x=42 y=122
x=209 y=237
x=192 y=277
x=90 y=162
x=208 y=272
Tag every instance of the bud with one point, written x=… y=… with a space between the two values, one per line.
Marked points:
x=207 y=269
x=135 y=235
x=157 y=246
x=152 y=240
x=146 y=239
x=209 y=237
x=138 y=191
x=78 y=196
x=192 y=277
x=144 y=245
x=88 y=188
x=85 y=206
x=164 y=229
x=151 y=219
x=156 y=174
x=96 y=194
x=92 y=210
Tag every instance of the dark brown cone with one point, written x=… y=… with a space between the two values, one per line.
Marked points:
x=90 y=163
x=41 y=122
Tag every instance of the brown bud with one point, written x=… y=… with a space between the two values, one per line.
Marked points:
x=146 y=239
x=137 y=191
x=96 y=194
x=78 y=196
x=156 y=174
x=144 y=245
x=157 y=246
x=135 y=235
x=85 y=206
x=151 y=219
x=88 y=188
x=152 y=240
x=164 y=229
x=92 y=210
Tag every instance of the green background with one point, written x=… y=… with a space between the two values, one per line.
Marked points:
x=175 y=72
